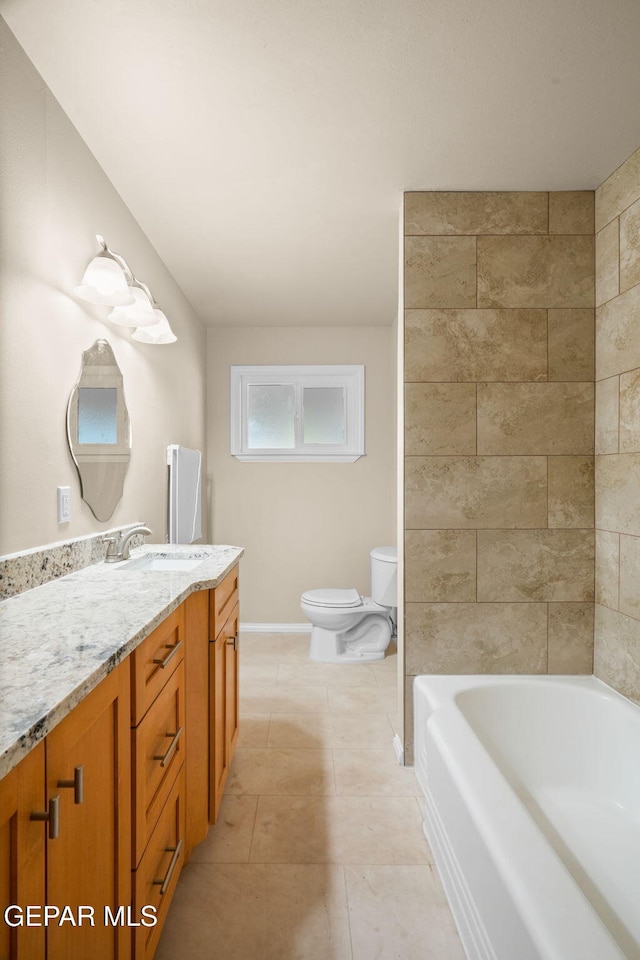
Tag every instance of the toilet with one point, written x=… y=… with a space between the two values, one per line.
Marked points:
x=348 y=628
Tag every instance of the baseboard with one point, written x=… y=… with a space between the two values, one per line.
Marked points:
x=275 y=627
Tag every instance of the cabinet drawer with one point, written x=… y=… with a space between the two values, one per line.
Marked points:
x=158 y=750
x=223 y=600
x=154 y=661
x=156 y=878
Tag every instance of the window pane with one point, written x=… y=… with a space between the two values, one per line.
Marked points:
x=270 y=416
x=97 y=415
x=324 y=415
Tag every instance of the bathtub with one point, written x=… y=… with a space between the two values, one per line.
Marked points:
x=532 y=788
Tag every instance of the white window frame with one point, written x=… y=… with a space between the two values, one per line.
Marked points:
x=348 y=376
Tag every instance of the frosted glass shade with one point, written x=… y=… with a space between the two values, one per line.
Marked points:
x=104 y=282
x=139 y=314
x=159 y=333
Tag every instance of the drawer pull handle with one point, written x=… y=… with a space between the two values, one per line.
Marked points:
x=172 y=652
x=52 y=815
x=77 y=784
x=235 y=641
x=165 y=757
x=163 y=884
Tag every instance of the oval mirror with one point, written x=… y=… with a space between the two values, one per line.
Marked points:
x=99 y=431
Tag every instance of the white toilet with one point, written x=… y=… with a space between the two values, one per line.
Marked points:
x=348 y=628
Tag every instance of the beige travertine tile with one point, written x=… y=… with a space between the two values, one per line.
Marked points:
x=278 y=698
x=254 y=730
x=630 y=412
x=415 y=923
x=630 y=246
x=297 y=674
x=440 y=272
x=617 y=641
x=373 y=773
x=266 y=911
x=471 y=345
x=291 y=773
x=336 y=730
x=630 y=576
x=475 y=492
x=572 y=211
x=570 y=638
x=571 y=493
x=259 y=672
x=229 y=839
x=608 y=262
x=476 y=638
x=536 y=271
x=619 y=191
x=440 y=418
x=536 y=565
x=618 y=334
x=338 y=830
x=473 y=213
x=572 y=344
x=618 y=493
x=344 y=699
x=440 y=565
x=607 y=415
x=535 y=418
x=263 y=649
x=607 y=568
x=408 y=718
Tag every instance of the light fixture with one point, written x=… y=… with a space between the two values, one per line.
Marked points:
x=105 y=280
x=109 y=280
x=159 y=333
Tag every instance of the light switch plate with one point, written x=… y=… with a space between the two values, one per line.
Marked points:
x=64 y=504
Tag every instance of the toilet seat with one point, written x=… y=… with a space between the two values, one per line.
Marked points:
x=327 y=597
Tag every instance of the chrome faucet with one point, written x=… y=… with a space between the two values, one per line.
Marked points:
x=118 y=546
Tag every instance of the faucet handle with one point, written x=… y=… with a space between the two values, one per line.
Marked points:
x=111 y=543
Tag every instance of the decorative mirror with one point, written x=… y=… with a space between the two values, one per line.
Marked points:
x=99 y=431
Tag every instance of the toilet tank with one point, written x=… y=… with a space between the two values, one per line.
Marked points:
x=384 y=566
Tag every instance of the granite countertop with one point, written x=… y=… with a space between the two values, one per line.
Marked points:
x=59 y=640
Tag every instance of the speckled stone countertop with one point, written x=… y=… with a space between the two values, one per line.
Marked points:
x=59 y=640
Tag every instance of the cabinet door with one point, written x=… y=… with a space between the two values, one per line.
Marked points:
x=90 y=861
x=22 y=854
x=230 y=630
x=219 y=760
x=197 y=723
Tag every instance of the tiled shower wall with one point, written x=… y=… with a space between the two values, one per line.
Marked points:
x=617 y=626
x=499 y=434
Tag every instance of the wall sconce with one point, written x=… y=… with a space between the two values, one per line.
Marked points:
x=109 y=280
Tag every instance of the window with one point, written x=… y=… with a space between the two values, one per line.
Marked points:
x=297 y=413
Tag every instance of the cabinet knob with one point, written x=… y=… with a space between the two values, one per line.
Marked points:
x=77 y=784
x=52 y=816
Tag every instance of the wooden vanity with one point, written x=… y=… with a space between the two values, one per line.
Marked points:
x=99 y=817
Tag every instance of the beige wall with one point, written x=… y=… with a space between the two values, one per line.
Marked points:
x=303 y=525
x=499 y=542
x=54 y=198
x=617 y=623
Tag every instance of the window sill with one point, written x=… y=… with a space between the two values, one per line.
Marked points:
x=298 y=458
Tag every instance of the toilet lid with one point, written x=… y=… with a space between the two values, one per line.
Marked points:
x=326 y=597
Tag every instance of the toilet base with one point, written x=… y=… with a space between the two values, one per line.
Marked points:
x=364 y=643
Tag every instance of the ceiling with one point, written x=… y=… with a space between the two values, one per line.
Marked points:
x=264 y=145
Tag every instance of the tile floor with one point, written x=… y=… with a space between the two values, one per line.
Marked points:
x=318 y=853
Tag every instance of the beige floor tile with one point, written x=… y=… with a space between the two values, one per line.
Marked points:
x=254 y=730
x=282 y=698
x=362 y=699
x=229 y=839
x=386 y=671
x=262 y=671
x=257 y=912
x=351 y=674
x=330 y=730
x=400 y=913
x=274 y=647
x=373 y=773
x=338 y=830
x=289 y=773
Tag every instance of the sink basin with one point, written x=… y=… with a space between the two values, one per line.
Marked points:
x=154 y=562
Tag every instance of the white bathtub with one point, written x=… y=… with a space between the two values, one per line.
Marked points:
x=532 y=788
